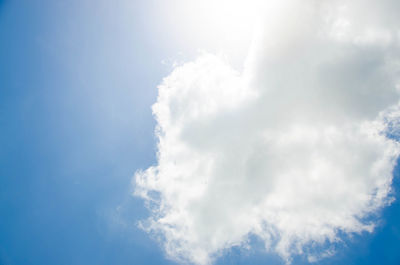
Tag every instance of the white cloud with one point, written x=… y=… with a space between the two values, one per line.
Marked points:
x=293 y=150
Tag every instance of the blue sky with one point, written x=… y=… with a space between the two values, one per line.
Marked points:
x=77 y=81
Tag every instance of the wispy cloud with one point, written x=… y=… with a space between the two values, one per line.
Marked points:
x=293 y=149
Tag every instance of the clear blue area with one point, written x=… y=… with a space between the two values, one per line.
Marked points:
x=77 y=79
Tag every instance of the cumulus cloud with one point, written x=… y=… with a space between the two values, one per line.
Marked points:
x=297 y=149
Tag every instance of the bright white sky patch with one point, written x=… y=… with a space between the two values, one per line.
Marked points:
x=223 y=26
x=293 y=149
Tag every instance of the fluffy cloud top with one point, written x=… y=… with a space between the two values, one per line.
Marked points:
x=294 y=149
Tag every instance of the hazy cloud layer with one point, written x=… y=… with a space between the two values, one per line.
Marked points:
x=293 y=149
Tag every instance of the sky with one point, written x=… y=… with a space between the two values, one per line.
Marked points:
x=188 y=132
